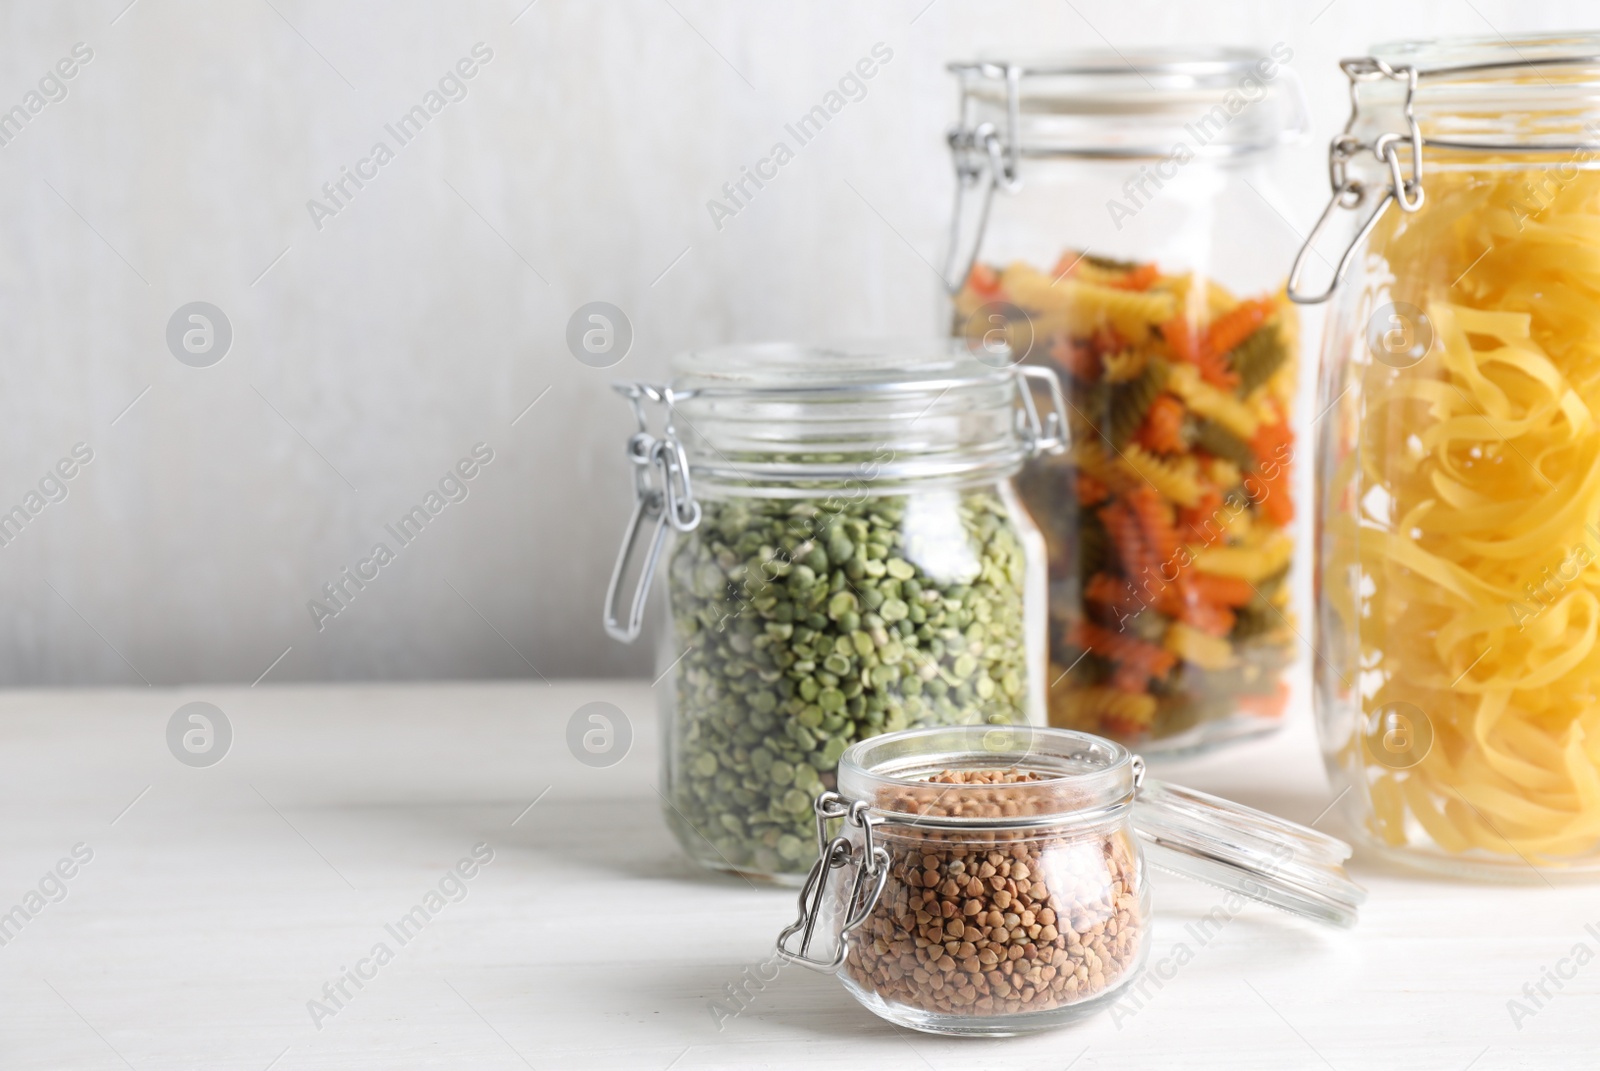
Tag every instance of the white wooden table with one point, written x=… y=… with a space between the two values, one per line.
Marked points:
x=220 y=900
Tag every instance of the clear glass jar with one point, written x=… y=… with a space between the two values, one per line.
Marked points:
x=1458 y=688
x=995 y=879
x=1135 y=248
x=852 y=560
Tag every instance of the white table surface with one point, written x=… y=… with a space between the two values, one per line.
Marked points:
x=221 y=902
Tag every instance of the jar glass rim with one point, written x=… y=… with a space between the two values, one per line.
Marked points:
x=1102 y=104
x=1469 y=54
x=1084 y=778
x=1176 y=63
x=797 y=368
x=1491 y=94
x=799 y=418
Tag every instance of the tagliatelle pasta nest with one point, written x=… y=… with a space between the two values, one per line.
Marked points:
x=1472 y=514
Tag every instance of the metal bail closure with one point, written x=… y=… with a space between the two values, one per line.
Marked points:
x=872 y=871
x=1350 y=193
x=1048 y=435
x=1243 y=850
x=985 y=158
x=655 y=506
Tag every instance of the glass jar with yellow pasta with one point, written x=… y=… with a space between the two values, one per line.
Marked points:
x=1458 y=670
x=1114 y=221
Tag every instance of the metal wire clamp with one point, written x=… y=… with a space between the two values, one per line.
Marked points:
x=984 y=157
x=1349 y=193
x=872 y=872
x=662 y=496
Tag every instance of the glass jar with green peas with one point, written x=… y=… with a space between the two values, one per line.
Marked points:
x=851 y=560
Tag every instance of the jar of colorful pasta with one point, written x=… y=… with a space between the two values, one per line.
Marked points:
x=1135 y=248
x=994 y=881
x=852 y=560
x=1458 y=688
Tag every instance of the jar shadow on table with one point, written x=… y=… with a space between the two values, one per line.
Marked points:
x=759 y=994
x=1198 y=914
x=813 y=1004
x=766 y=987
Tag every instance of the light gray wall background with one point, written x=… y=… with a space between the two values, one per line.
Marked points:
x=430 y=312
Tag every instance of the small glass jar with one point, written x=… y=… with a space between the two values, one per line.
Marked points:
x=995 y=878
x=1458 y=688
x=852 y=560
x=1136 y=249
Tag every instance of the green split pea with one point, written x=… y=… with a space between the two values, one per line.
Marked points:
x=808 y=625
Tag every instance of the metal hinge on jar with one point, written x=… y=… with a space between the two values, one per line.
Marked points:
x=872 y=872
x=1049 y=434
x=662 y=496
x=982 y=152
x=1404 y=190
x=1349 y=193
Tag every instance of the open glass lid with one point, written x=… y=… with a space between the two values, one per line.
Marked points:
x=1238 y=848
x=1081 y=778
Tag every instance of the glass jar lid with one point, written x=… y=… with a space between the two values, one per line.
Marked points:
x=1489 y=93
x=786 y=418
x=1141 y=105
x=1086 y=780
x=1161 y=106
x=1250 y=852
x=791 y=420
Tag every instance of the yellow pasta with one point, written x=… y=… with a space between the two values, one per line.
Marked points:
x=1034 y=290
x=1264 y=410
x=1225 y=474
x=1146 y=306
x=1176 y=480
x=1202 y=298
x=1090 y=708
x=1252 y=563
x=1083 y=304
x=1210 y=402
x=1192 y=645
x=1121 y=367
x=1089 y=455
x=1240 y=526
x=1219 y=299
x=1084 y=267
x=1478 y=533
